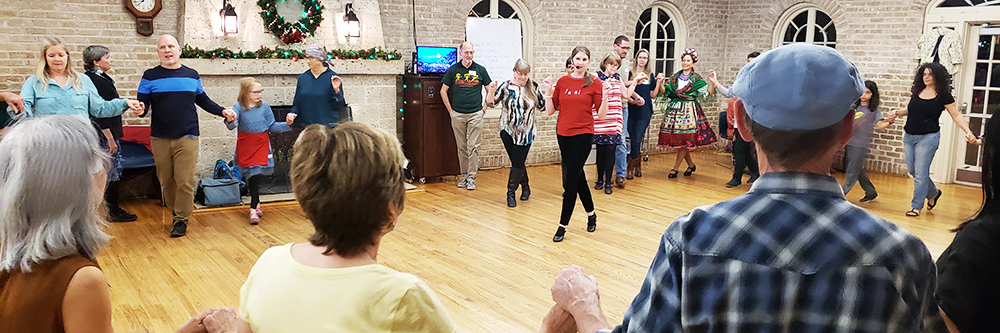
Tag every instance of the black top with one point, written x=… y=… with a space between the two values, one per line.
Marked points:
x=106 y=88
x=968 y=270
x=924 y=113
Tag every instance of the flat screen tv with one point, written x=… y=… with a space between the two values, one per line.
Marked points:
x=435 y=60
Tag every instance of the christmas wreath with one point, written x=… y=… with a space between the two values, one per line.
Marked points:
x=296 y=31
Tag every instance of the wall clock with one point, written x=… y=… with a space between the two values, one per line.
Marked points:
x=144 y=12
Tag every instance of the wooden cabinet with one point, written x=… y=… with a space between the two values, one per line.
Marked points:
x=428 y=140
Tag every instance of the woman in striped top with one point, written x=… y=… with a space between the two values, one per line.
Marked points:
x=520 y=98
x=608 y=131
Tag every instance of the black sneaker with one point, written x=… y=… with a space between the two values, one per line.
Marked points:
x=180 y=229
x=734 y=183
x=592 y=223
x=119 y=215
x=868 y=198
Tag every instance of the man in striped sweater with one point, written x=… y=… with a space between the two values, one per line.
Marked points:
x=171 y=91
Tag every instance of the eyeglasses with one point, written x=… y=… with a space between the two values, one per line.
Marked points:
x=257 y=91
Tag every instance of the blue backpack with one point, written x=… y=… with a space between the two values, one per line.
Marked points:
x=225 y=170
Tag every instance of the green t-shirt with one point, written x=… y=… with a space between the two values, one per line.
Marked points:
x=466 y=86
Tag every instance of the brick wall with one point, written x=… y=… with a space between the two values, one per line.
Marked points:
x=78 y=24
x=879 y=36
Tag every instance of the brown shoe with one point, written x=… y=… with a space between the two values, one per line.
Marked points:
x=638 y=167
x=620 y=182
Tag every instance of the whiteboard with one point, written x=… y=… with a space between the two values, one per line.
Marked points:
x=497 y=43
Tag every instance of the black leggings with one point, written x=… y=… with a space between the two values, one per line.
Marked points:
x=574 y=151
x=112 y=196
x=606 y=162
x=517 y=154
x=253 y=186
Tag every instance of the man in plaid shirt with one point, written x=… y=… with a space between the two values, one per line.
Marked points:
x=792 y=255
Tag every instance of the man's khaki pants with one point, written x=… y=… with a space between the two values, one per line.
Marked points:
x=468 y=128
x=175 y=163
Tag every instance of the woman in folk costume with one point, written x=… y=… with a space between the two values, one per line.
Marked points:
x=685 y=126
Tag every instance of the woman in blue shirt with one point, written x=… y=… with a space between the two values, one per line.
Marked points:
x=254 y=119
x=319 y=97
x=57 y=89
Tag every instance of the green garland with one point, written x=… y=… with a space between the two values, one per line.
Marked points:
x=279 y=53
x=293 y=32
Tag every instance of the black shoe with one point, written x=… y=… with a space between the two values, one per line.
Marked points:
x=607 y=188
x=592 y=223
x=119 y=215
x=734 y=182
x=512 y=182
x=753 y=178
x=868 y=198
x=690 y=170
x=598 y=184
x=180 y=229
x=560 y=232
x=672 y=174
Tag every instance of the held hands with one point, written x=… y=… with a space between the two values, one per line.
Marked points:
x=971 y=138
x=229 y=114
x=137 y=107
x=335 y=82
x=493 y=86
x=659 y=78
x=15 y=101
x=575 y=291
x=892 y=116
x=547 y=83
x=640 y=77
x=290 y=118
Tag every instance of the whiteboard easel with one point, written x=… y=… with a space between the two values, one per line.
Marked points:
x=497 y=43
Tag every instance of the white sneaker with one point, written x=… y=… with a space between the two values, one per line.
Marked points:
x=471 y=185
x=464 y=182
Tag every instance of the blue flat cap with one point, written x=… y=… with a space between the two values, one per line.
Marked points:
x=798 y=87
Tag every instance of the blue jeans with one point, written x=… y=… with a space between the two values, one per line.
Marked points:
x=920 y=149
x=622 y=150
x=638 y=122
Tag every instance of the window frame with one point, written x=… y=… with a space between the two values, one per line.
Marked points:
x=679 y=40
x=791 y=13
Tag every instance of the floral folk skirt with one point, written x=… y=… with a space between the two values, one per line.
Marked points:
x=685 y=126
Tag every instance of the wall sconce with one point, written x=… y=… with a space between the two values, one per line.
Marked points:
x=230 y=23
x=353 y=25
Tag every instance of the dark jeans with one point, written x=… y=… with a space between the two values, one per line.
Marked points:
x=855 y=170
x=638 y=122
x=743 y=158
x=253 y=186
x=574 y=151
x=606 y=162
x=517 y=154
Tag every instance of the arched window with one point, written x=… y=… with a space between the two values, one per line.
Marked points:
x=969 y=3
x=658 y=32
x=508 y=9
x=805 y=24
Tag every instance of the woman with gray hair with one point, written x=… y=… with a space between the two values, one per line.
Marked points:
x=319 y=94
x=52 y=176
x=97 y=62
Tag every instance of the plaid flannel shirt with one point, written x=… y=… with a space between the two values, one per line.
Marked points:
x=792 y=255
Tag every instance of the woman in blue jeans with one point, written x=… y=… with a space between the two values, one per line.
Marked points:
x=929 y=96
x=640 y=115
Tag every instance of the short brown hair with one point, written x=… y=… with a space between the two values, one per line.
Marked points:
x=791 y=149
x=345 y=178
x=611 y=59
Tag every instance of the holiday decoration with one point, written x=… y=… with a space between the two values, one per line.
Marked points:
x=279 y=53
x=297 y=30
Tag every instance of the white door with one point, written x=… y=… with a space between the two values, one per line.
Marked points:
x=979 y=98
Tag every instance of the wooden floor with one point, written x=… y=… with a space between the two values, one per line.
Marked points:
x=490 y=265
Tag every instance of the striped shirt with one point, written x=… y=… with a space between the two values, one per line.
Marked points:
x=612 y=123
x=792 y=255
x=172 y=95
x=518 y=115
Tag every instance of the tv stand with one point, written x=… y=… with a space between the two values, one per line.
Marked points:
x=428 y=140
